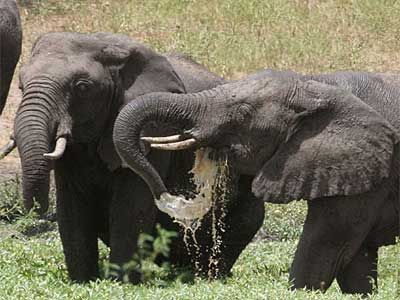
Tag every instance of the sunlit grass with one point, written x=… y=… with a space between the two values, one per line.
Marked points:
x=32 y=266
x=237 y=36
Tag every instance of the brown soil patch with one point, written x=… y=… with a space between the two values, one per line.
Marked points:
x=10 y=165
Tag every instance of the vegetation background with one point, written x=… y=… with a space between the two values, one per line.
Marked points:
x=232 y=38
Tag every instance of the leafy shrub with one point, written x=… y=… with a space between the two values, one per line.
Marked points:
x=11 y=200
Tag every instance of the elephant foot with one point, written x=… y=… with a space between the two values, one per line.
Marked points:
x=121 y=275
x=360 y=275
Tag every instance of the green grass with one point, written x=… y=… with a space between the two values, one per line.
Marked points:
x=32 y=266
x=233 y=38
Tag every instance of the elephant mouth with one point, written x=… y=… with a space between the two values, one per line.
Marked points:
x=240 y=151
x=172 y=142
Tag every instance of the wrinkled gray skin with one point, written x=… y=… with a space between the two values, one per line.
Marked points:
x=297 y=139
x=73 y=87
x=10 y=46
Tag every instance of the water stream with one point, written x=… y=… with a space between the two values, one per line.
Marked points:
x=210 y=180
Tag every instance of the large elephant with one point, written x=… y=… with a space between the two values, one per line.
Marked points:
x=10 y=46
x=295 y=139
x=73 y=87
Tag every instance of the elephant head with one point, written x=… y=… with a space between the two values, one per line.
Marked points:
x=73 y=87
x=297 y=139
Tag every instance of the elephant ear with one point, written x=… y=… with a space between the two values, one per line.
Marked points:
x=346 y=148
x=141 y=70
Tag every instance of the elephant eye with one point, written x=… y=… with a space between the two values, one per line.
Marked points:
x=82 y=87
x=242 y=112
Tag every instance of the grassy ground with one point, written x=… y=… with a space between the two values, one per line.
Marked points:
x=231 y=37
x=32 y=265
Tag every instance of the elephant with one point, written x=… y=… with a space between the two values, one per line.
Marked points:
x=73 y=87
x=369 y=87
x=10 y=46
x=295 y=138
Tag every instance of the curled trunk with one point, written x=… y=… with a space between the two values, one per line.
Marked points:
x=162 y=108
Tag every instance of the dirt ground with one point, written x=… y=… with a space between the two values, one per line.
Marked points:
x=10 y=165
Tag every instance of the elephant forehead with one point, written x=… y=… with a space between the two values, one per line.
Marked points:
x=259 y=88
x=68 y=43
x=74 y=43
x=59 y=67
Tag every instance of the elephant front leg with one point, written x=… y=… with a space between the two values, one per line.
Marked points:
x=132 y=211
x=78 y=235
x=333 y=234
x=360 y=275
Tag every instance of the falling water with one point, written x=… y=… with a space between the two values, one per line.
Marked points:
x=217 y=223
x=210 y=179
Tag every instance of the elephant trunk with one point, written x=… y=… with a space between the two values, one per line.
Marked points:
x=182 y=111
x=35 y=129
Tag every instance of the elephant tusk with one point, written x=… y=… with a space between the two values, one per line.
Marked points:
x=162 y=139
x=8 y=148
x=61 y=144
x=176 y=146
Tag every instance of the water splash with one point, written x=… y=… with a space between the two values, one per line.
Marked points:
x=188 y=211
x=182 y=209
x=210 y=180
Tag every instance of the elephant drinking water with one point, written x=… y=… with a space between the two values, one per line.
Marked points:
x=296 y=139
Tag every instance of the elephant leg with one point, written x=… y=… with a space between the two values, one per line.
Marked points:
x=360 y=275
x=8 y=65
x=334 y=230
x=5 y=87
x=77 y=231
x=132 y=211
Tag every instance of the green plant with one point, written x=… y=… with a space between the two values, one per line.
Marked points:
x=10 y=200
x=144 y=259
